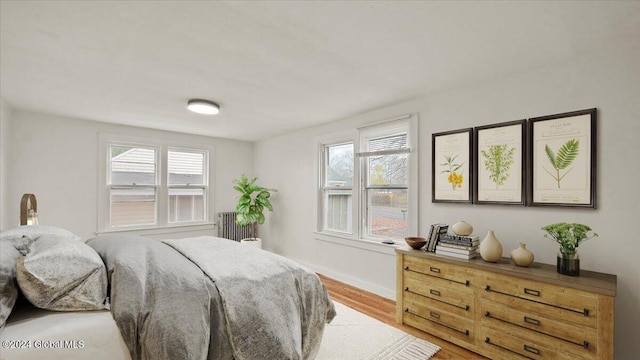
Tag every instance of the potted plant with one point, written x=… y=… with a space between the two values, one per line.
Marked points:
x=252 y=200
x=569 y=236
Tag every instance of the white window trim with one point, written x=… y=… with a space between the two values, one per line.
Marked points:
x=354 y=135
x=338 y=138
x=162 y=205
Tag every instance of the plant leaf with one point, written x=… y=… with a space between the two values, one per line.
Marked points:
x=567 y=153
x=551 y=156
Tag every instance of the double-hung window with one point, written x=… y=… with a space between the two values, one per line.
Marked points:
x=149 y=185
x=385 y=167
x=187 y=185
x=133 y=185
x=337 y=187
x=368 y=182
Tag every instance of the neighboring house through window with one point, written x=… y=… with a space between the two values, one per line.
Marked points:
x=150 y=185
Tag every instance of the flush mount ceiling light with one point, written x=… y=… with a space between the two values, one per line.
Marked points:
x=203 y=106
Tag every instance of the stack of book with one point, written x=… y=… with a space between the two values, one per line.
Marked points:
x=464 y=247
x=434 y=233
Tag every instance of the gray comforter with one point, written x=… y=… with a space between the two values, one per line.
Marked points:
x=211 y=298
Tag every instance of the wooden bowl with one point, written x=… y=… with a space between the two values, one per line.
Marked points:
x=415 y=242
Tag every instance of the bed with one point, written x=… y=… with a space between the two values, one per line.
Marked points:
x=127 y=296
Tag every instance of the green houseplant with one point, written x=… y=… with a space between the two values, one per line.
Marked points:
x=252 y=200
x=569 y=236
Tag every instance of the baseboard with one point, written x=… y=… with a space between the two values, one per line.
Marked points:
x=364 y=285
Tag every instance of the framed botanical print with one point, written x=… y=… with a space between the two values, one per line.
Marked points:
x=500 y=163
x=563 y=159
x=452 y=170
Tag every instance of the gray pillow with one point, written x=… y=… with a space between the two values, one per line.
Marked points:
x=62 y=274
x=8 y=286
x=22 y=236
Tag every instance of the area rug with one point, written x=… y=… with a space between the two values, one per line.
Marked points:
x=354 y=336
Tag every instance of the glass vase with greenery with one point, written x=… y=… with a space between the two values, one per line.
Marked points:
x=569 y=236
x=252 y=200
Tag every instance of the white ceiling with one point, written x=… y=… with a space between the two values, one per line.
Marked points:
x=279 y=66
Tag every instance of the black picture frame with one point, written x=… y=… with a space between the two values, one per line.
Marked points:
x=500 y=166
x=562 y=159
x=452 y=166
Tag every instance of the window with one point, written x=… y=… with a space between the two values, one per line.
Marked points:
x=338 y=187
x=374 y=186
x=153 y=186
x=385 y=193
x=187 y=185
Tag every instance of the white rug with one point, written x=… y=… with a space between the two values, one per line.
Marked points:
x=355 y=336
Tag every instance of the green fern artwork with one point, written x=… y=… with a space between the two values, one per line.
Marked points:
x=562 y=159
x=498 y=160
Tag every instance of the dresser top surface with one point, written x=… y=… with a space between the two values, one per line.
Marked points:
x=588 y=280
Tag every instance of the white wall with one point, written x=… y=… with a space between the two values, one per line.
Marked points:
x=56 y=158
x=4 y=130
x=609 y=82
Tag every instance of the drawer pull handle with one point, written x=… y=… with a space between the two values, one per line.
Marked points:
x=531 y=321
x=406 y=267
x=434 y=269
x=434 y=315
x=434 y=292
x=487 y=314
x=531 y=349
x=487 y=288
x=406 y=289
x=531 y=292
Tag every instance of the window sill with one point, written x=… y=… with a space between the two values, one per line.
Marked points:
x=168 y=229
x=364 y=244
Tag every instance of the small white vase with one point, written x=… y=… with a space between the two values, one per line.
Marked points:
x=521 y=256
x=490 y=248
x=462 y=228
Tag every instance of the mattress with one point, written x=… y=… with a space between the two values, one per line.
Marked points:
x=33 y=333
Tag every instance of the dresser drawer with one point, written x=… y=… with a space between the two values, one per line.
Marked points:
x=563 y=303
x=423 y=285
x=432 y=320
x=555 y=334
x=500 y=344
x=439 y=270
x=413 y=300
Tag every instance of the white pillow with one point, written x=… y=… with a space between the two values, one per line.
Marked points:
x=62 y=274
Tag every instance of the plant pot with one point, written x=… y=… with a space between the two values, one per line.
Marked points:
x=569 y=263
x=255 y=242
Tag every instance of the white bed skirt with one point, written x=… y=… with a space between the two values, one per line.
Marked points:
x=32 y=333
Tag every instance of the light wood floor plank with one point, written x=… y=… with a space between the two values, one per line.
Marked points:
x=383 y=309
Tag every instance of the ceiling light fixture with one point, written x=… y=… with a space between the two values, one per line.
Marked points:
x=203 y=106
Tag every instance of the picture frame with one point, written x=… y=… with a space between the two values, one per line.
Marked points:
x=452 y=166
x=500 y=163
x=562 y=156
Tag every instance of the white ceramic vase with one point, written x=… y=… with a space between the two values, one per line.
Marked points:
x=462 y=228
x=521 y=256
x=490 y=248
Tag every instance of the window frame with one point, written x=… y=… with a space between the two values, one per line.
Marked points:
x=324 y=188
x=106 y=141
x=359 y=195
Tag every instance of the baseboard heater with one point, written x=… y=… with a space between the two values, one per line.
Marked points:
x=228 y=229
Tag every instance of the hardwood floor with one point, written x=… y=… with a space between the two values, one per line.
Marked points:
x=385 y=310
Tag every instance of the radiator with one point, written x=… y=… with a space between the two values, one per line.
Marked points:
x=228 y=229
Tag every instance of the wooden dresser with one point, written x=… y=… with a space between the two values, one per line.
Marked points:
x=503 y=311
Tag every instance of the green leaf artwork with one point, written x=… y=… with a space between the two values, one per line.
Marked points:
x=562 y=159
x=498 y=160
